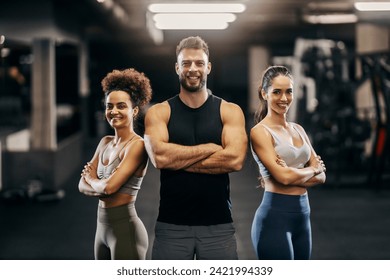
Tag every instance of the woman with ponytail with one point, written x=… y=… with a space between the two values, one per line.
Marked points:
x=288 y=166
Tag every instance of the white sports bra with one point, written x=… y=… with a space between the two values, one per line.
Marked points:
x=132 y=185
x=293 y=156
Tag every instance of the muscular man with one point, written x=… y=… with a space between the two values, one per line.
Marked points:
x=196 y=139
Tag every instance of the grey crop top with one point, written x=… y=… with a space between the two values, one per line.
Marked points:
x=293 y=156
x=132 y=185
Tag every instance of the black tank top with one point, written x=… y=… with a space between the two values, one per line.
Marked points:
x=188 y=198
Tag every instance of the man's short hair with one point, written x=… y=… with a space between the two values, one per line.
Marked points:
x=193 y=42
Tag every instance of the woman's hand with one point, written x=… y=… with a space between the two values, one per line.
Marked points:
x=320 y=164
x=88 y=172
x=280 y=161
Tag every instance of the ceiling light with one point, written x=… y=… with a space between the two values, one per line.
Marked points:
x=326 y=5
x=194 y=16
x=372 y=6
x=197 y=8
x=193 y=21
x=330 y=18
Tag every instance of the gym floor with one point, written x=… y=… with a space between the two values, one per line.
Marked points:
x=348 y=222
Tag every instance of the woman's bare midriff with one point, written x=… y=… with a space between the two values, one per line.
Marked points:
x=271 y=185
x=116 y=199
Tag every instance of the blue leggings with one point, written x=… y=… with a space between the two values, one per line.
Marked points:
x=281 y=227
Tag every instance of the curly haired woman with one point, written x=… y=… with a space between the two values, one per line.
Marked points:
x=116 y=170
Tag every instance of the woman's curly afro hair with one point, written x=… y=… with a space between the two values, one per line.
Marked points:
x=135 y=83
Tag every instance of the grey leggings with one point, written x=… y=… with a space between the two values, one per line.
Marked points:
x=120 y=234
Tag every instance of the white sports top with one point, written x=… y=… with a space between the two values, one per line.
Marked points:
x=293 y=156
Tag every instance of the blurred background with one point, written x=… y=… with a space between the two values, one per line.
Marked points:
x=54 y=53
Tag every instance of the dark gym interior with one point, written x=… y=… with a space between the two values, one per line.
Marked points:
x=54 y=54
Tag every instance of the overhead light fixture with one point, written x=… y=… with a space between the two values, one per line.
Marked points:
x=330 y=6
x=194 y=16
x=372 y=6
x=193 y=21
x=197 y=8
x=331 y=18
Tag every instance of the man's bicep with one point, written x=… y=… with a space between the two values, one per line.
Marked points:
x=156 y=120
x=233 y=133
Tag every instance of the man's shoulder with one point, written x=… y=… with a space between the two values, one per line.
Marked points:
x=230 y=105
x=160 y=105
x=231 y=112
x=158 y=109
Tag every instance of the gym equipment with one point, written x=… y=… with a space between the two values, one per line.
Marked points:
x=378 y=66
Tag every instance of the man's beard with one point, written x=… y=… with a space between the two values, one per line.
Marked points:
x=190 y=88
